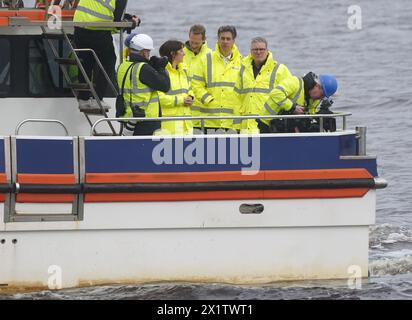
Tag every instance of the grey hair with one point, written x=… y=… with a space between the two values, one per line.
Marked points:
x=260 y=40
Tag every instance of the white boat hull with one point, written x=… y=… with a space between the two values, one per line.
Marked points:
x=202 y=241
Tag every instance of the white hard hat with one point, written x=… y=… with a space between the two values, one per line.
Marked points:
x=141 y=41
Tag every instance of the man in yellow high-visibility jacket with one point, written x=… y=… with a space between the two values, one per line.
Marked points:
x=295 y=95
x=100 y=40
x=214 y=79
x=195 y=48
x=143 y=76
x=259 y=74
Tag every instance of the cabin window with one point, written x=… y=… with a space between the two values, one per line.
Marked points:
x=28 y=67
x=45 y=76
x=4 y=66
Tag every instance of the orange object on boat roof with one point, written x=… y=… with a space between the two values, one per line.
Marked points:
x=30 y=14
x=4 y=21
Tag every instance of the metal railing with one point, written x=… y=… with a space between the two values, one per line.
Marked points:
x=202 y=119
x=40 y=121
x=90 y=83
x=99 y=63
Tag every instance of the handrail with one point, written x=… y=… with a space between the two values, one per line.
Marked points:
x=342 y=115
x=93 y=90
x=41 y=121
x=100 y=66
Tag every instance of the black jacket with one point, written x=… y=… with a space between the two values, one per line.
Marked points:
x=119 y=10
x=155 y=78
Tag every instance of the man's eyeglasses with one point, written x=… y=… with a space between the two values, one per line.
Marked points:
x=258 y=49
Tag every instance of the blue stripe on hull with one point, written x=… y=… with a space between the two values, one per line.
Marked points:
x=44 y=156
x=2 y=156
x=348 y=145
x=276 y=153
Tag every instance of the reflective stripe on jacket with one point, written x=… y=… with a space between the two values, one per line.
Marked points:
x=137 y=94
x=95 y=11
x=191 y=60
x=254 y=92
x=213 y=83
x=286 y=95
x=172 y=102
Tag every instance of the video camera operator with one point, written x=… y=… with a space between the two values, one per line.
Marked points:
x=303 y=95
x=140 y=78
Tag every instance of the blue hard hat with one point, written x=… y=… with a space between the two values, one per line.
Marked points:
x=329 y=84
x=128 y=39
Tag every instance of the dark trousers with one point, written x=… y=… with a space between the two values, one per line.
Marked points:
x=263 y=128
x=146 y=128
x=101 y=42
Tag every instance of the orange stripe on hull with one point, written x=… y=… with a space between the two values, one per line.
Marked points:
x=195 y=177
x=318 y=174
x=174 y=177
x=44 y=198
x=45 y=179
x=228 y=195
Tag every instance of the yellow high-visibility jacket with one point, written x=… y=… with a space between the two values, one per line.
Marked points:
x=137 y=94
x=286 y=95
x=191 y=60
x=254 y=92
x=213 y=83
x=95 y=11
x=172 y=102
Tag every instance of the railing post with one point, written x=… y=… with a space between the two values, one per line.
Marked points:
x=121 y=45
x=202 y=125
x=361 y=136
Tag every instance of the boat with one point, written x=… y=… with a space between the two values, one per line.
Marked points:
x=82 y=207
